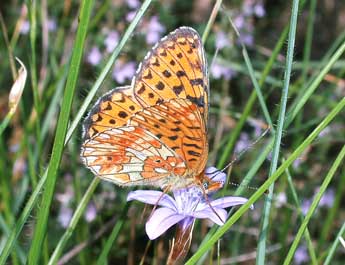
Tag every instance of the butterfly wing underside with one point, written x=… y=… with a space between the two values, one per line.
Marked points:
x=154 y=131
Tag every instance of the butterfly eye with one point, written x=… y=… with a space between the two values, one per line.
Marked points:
x=205 y=185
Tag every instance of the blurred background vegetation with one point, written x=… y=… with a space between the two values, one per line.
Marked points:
x=42 y=33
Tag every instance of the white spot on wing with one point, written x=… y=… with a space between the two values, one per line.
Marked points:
x=135 y=176
x=128 y=168
x=164 y=152
x=138 y=154
x=161 y=170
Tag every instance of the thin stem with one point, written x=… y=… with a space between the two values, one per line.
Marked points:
x=181 y=244
x=278 y=134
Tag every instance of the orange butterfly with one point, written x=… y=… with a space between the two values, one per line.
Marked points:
x=154 y=132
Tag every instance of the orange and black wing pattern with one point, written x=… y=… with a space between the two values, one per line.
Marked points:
x=154 y=131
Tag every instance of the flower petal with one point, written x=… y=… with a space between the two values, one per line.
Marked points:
x=218 y=218
x=152 y=197
x=228 y=201
x=215 y=174
x=161 y=220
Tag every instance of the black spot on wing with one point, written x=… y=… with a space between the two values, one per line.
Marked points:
x=193 y=153
x=199 y=101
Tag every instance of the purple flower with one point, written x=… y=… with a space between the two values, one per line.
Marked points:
x=111 y=41
x=52 y=25
x=281 y=200
x=25 y=27
x=90 y=213
x=95 y=56
x=222 y=40
x=247 y=39
x=123 y=71
x=259 y=10
x=305 y=206
x=327 y=199
x=186 y=205
x=218 y=71
x=301 y=255
x=154 y=31
x=130 y=16
x=297 y=163
x=325 y=132
x=239 y=22
x=133 y=3
x=65 y=215
x=242 y=143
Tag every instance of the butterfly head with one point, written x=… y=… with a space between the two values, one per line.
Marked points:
x=211 y=180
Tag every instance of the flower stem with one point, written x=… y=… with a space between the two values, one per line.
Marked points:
x=181 y=243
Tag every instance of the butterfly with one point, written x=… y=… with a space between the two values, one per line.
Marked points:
x=154 y=132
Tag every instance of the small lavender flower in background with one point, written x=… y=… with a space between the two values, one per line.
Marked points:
x=242 y=143
x=325 y=132
x=222 y=40
x=133 y=3
x=239 y=21
x=253 y=7
x=259 y=10
x=52 y=25
x=244 y=20
x=218 y=71
x=327 y=199
x=305 y=206
x=65 y=198
x=247 y=39
x=123 y=71
x=25 y=27
x=111 y=41
x=91 y=212
x=280 y=200
x=154 y=30
x=296 y=163
x=65 y=216
x=186 y=205
x=301 y=255
x=94 y=57
x=130 y=16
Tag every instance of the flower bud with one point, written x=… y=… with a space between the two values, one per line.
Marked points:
x=17 y=88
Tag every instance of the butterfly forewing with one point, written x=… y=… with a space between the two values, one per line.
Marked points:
x=154 y=131
x=112 y=110
x=175 y=68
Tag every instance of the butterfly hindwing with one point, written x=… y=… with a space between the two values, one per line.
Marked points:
x=131 y=156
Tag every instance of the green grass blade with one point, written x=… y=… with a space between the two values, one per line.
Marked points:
x=260 y=259
x=334 y=245
x=300 y=214
x=58 y=146
x=314 y=205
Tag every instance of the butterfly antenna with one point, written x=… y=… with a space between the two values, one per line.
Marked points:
x=241 y=153
x=237 y=157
